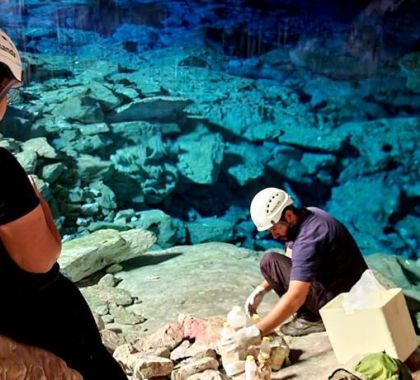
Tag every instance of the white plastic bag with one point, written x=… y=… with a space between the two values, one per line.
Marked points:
x=365 y=293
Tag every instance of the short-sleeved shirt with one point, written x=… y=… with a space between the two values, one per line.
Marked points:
x=17 y=198
x=325 y=251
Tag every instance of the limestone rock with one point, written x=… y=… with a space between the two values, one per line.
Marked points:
x=41 y=147
x=245 y=162
x=104 y=96
x=101 y=298
x=168 y=336
x=152 y=366
x=391 y=142
x=123 y=316
x=208 y=374
x=86 y=255
x=365 y=194
x=153 y=108
x=84 y=109
x=20 y=361
x=183 y=372
x=51 y=172
x=28 y=160
x=200 y=156
x=210 y=229
x=170 y=231
x=111 y=339
x=92 y=167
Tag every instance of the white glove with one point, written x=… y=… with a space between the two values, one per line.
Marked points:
x=242 y=338
x=254 y=300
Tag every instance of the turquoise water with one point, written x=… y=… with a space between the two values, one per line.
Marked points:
x=171 y=115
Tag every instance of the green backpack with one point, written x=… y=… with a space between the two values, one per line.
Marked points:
x=380 y=366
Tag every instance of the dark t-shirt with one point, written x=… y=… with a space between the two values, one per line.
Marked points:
x=17 y=198
x=324 y=251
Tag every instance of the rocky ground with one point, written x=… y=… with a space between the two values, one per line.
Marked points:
x=205 y=281
x=181 y=296
x=160 y=312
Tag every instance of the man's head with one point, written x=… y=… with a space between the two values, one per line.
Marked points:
x=271 y=209
x=10 y=69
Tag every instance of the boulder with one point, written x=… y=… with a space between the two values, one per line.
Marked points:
x=205 y=230
x=86 y=255
x=153 y=108
x=200 y=156
x=20 y=361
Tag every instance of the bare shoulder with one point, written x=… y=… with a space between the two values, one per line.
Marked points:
x=30 y=243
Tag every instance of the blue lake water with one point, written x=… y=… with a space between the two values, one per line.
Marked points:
x=171 y=115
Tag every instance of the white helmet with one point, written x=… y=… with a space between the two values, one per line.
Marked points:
x=10 y=56
x=267 y=207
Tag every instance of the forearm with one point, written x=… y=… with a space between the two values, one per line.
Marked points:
x=288 y=304
x=285 y=307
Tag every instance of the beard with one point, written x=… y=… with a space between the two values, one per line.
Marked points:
x=290 y=235
x=292 y=232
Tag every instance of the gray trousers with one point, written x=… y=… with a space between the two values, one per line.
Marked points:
x=276 y=268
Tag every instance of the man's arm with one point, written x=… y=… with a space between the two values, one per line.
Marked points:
x=288 y=304
x=265 y=285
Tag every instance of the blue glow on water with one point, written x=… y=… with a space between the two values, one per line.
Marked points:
x=188 y=108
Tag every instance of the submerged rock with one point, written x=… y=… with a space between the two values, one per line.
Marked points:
x=153 y=108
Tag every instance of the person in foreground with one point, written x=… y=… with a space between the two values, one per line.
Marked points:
x=39 y=306
x=325 y=261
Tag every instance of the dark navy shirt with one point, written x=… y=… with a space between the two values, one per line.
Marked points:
x=324 y=251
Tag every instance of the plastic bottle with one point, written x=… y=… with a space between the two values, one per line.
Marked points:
x=227 y=331
x=251 y=369
x=264 y=367
x=279 y=354
x=227 y=356
x=234 y=368
x=236 y=318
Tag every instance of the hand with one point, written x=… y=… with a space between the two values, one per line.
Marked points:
x=254 y=300
x=242 y=338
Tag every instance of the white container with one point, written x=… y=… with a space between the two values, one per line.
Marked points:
x=234 y=368
x=227 y=356
x=227 y=331
x=251 y=369
x=236 y=318
x=386 y=327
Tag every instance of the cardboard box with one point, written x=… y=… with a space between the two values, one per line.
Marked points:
x=387 y=327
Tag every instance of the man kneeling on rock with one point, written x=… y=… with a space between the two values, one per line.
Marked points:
x=325 y=261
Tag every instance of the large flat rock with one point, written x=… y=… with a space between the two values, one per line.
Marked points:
x=206 y=280
x=203 y=280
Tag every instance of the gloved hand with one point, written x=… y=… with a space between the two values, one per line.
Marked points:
x=254 y=300
x=242 y=338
